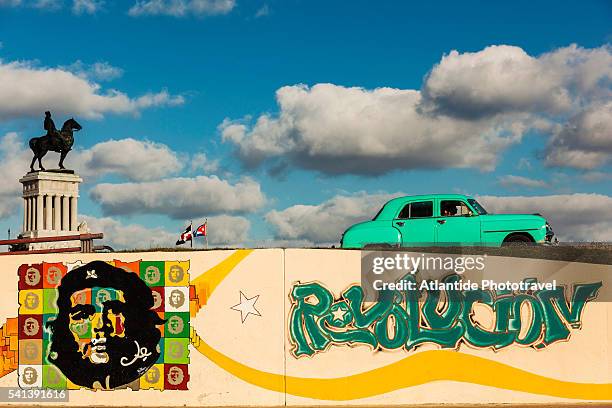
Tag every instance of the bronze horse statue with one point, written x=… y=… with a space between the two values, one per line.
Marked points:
x=61 y=142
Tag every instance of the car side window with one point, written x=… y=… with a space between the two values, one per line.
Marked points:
x=453 y=208
x=419 y=209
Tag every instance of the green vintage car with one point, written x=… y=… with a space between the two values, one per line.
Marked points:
x=444 y=219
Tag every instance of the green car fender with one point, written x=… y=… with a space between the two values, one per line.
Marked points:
x=371 y=232
x=496 y=227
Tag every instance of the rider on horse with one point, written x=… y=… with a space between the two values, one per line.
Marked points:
x=59 y=141
x=49 y=125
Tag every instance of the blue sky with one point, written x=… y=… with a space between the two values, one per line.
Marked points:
x=226 y=60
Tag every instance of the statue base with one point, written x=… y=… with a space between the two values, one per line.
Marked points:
x=50 y=206
x=64 y=171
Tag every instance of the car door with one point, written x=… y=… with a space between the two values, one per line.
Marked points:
x=416 y=223
x=457 y=223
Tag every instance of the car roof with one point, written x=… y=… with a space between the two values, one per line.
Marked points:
x=391 y=207
x=427 y=197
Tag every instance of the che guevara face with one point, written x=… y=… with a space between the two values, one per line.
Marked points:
x=32 y=277
x=177 y=298
x=176 y=273
x=175 y=376
x=105 y=334
x=29 y=375
x=152 y=375
x=30 y=326
x=53 y=275
x=152 y=274
x=31 y=301
x=97 y=321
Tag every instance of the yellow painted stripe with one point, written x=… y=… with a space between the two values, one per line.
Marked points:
x=416 y=369
x=207 y=282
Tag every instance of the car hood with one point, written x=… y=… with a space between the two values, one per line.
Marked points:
x=512 y=217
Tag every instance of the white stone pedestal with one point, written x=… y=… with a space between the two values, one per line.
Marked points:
x=50 y=202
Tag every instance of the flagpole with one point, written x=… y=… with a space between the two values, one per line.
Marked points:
x=191 y=225
x=206 y=223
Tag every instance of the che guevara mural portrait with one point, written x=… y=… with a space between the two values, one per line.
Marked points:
x=101 y=326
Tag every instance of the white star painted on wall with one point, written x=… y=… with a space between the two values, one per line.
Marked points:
x=246 y=306
x=339 y=313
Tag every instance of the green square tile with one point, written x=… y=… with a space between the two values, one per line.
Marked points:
x=152 y=272
x=177 y=325
x=176 y=351
x=53 y=378
x=49 y=301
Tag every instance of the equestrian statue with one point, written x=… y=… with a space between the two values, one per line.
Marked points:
x=56 y=141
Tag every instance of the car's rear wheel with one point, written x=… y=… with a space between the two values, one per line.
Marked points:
x=517 y=240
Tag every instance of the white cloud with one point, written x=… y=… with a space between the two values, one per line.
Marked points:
x=14 y=160
x=336 y=129
x=595 y=176
x=501 y=79
x=182 y=8
x=286 y=243
x=472 y=107
x=134 y=159
x=180 y=198
x=227 y=230
x=98 y=71
x=574 y=217
x=103 y=71
x=523 y=164
x=87 y=6
x=130 y=236
x=47 y=4
x=33 y=90
x=200 y=161
x=585 y=142
x=78 y=6
x=263 y=11
x=39 y=4
x=223 y=230
x=512 y=181
x=324 y=223
x=10 y=3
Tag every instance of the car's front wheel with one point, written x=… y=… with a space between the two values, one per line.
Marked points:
x=517 y=240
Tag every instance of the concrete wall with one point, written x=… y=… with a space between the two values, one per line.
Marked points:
x=243 y=350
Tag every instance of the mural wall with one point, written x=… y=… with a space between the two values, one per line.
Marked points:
x=104 y=325
x=275 y=327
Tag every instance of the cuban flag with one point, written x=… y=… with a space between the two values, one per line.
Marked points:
x=185 y=236
x=201 y=231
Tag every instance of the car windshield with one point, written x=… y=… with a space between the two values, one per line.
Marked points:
x=476 y=205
